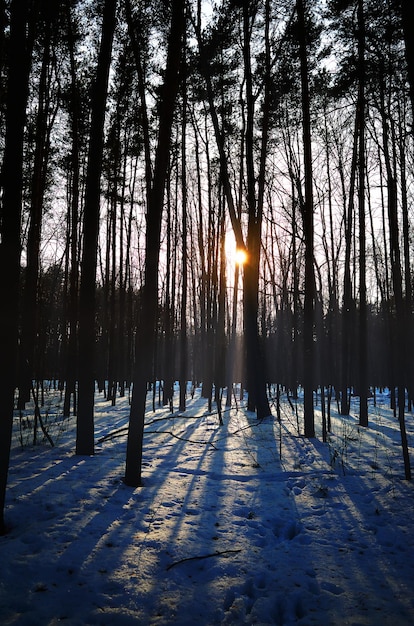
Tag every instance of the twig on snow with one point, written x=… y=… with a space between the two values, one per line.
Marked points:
x=203 y=556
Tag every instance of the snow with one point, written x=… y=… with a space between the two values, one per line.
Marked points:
x=245 y=523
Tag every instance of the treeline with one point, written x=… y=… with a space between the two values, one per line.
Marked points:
x=143 y=142
x=282 y=347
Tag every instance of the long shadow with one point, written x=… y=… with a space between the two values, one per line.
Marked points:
x=58 y=526
x=351 y=522
x=71 y=541
x=234 y=576
x=223 y=531
x=267 y=526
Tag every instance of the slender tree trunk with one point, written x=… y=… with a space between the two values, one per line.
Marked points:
x=122 y=277
x=363 y=349
x=333 y=280
x=183 y=327
x=256 y=372
x=231 y=352
x=220 y=351
x=407 y=259
x=211 y=305
x=168 y=389
x=202 y=333
x=308 y=382
x=146 y=334
x=73 y=225
x=30 y=313
x=295 y=308
x=347 y=303
x=113 y=377
x=85 y=416
x=208 y=261
x=12 y=179
x=397 y=281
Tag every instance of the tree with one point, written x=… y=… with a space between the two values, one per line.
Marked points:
x=85 y=416
x=20 y=48
x=45 y=116
x=401 y=335
x=347 y=301
x=74 y=183
x=307 y=216
x=363 y=362
x=254 y=358
x=256 y=375
x=183 y=312
x=146 y=334
x=406 y=7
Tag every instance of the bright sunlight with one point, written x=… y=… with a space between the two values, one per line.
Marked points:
x=240 y=256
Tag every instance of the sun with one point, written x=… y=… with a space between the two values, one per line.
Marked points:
x=240 y=256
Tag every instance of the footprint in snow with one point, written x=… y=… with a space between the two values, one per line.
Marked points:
x=286 y=531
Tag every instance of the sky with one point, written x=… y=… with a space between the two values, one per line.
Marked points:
x=245 y=523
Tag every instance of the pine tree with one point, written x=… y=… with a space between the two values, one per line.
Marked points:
x=85 y=416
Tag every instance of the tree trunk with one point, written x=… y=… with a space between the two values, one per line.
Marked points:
x=183 y=326
x=220 y=351
x=307 y=214
x=347 y=304
x=397 y=281
x=363 y=353
x=30 y=313
x=146 y=334
x=73 y=226
x=85 y=416
x=407 y=234
x=12 y=179
x=168 y=369
x=255 y=366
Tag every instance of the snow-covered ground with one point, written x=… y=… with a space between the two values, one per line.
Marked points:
x=245 y=523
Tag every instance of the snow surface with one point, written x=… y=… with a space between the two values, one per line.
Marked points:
x=245 y=523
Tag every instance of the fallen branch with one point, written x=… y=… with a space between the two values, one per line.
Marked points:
x=114 y=433
x=122 y=431
x=168 y=432
x=203 y=556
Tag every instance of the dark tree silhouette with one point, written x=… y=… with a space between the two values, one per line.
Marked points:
x=12 y=185
x=407 y=16
x=44 y=120
x=146 y=334
x=85 y=416
x=307 y=216
x=75 y=117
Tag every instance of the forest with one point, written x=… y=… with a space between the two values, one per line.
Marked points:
x=206 y=193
